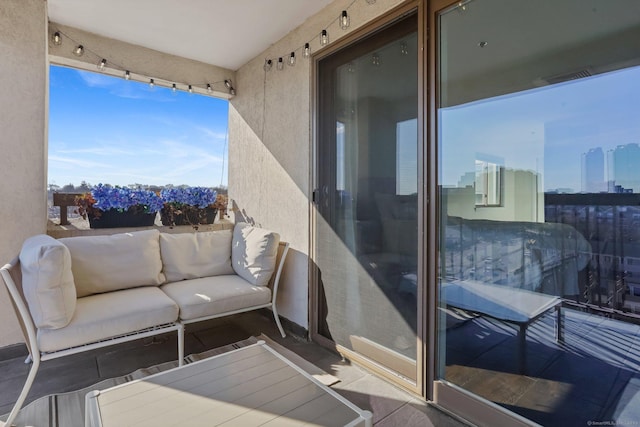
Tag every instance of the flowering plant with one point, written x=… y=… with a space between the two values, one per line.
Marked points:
x=104 y=197
x=190 y=205
x=193 y=196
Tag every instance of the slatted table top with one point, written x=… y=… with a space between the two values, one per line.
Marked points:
x=249 y=386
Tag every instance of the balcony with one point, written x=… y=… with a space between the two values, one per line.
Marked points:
x=390 y=405
x=592 y=376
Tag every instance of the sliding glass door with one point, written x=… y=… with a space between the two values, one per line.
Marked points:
x=537 y=106
x=366 y=198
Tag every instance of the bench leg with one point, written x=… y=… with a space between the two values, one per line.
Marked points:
x=181 y=345
x=23 y=394
x=522 y=348
x=559 y=324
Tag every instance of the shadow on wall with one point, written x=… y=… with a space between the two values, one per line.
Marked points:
x=241 y=215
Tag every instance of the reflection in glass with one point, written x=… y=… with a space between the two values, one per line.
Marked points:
x=539 y=188
x=366 y=230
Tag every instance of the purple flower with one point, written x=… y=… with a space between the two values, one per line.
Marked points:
x=193 y=196
x=122 y=198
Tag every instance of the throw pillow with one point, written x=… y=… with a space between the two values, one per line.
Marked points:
x=253 y=253
x=47 y=281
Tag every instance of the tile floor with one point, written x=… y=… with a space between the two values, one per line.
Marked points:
x=390 y=405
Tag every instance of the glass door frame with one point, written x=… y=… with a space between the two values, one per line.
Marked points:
x=438 y=391
x=441 y=392
x=376 y=25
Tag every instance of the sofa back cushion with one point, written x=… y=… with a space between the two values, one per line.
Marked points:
x=120 y=261
x=47 y=281
x=253 y=253
x=196 y=255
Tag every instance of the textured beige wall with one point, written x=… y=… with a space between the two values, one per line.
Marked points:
x=23 y=71
x=143 y=63
x=270 y=144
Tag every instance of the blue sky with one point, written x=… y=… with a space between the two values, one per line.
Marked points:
x=104 y=129
x=544 y=130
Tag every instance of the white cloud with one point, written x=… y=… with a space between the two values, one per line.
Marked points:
x=96 y=80
x=83 y=163
x=99 y=151
x=211 y=133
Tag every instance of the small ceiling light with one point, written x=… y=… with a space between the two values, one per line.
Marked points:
x=375 y=59
x=280 y=63
x=102 y=64
x=209 y=90
x=229 y=84
x=127 y=75
x=152 y=83
x=57 y=39
x=324 y=38
x=461 y=7
x=190 y=89
x=79 y=50
x=483 y=43
x=174 y=89
x=267 y=64
x=344 y=20
x=307 y=51
x=292 y=59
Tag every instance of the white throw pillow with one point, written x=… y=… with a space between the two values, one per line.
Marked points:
x=47 y=281
x=195 y=255
x=253 y=253
x=120 y=261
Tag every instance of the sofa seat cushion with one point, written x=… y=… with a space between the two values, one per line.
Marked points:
x=120 y=261
x=209 y=296
x=195 y=255
x=47 y=281
x=253 y=253
x=108 y=315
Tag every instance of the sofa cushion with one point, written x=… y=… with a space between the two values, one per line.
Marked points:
x=108 y=315
x=120 y=261
x=194 y=255
x=209 y=296
x=253 y=253
x=47 y=281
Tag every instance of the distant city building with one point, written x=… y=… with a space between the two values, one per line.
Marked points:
x=624 y=174
x=593 y=176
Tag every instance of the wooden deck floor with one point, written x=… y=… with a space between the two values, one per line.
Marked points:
x=593 y=376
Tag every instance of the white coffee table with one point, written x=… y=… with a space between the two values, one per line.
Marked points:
x=250 y=386
x=511 y=305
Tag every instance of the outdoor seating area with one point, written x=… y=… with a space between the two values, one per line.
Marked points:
x=81 y=293
x=58 y=378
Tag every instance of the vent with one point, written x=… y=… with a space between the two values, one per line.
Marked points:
x=559 y=78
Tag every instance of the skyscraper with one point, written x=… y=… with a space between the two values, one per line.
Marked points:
x=623 y=166
x=593 y=177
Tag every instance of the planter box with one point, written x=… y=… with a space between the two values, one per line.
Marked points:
x=188 y=216
x=114 y=218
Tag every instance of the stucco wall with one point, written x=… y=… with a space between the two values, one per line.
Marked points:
x=23 y=71
x=270 y=144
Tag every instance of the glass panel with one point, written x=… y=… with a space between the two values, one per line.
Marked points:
x=366 y=230
x=539 y=181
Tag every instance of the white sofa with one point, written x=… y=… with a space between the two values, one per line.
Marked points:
x=80 y=293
